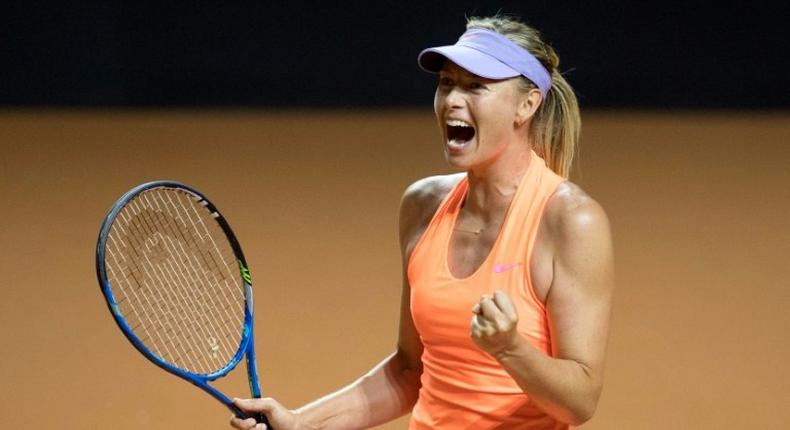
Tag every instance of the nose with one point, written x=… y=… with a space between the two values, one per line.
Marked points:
x=453 y=98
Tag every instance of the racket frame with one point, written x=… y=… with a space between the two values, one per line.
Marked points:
x=247 y=344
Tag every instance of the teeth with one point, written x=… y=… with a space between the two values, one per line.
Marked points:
x=458 y=123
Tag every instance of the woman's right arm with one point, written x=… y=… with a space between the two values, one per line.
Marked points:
x=390 y=389
x=387 y=392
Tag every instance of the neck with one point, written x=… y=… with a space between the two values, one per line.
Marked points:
x=491 y=188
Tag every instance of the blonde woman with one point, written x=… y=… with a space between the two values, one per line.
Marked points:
x=507 y=267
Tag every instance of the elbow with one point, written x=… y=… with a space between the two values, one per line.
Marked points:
x=408 y=366
x=573 y=415
x=405 y=374
x=582 y=408
x=580 y=416
x=582 y=412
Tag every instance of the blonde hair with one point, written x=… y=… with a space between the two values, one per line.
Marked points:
x=557 y=124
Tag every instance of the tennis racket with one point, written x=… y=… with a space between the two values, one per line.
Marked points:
x=177 y=284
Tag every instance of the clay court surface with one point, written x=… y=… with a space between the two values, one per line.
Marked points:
x=698 y=202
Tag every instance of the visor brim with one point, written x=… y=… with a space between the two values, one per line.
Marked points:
x=478 y=63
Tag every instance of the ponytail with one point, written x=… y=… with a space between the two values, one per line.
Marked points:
x=557 y=125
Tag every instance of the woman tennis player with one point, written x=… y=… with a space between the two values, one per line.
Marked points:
x=508 y=267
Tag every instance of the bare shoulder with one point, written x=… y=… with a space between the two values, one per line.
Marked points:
x=419 y=203
x=571 y=214
x=431 y=189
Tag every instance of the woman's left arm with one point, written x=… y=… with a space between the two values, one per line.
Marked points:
x=566 y=386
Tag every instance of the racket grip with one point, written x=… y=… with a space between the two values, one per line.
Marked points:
x=259 y=418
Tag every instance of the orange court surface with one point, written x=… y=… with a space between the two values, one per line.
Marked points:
x=699 y=204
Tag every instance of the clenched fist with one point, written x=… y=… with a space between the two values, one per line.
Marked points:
x=494 y=322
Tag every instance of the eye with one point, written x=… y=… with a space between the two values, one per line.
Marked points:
x=444 y=81
x=476 y=86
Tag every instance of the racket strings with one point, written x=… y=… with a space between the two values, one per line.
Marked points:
x=176 y=280
x=166 y=274
x=205 y=263
x=198 y=269
x=147 y=306
x=231 y=270
x=168 y=320
x=173 y=270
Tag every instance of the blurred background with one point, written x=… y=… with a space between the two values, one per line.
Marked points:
x=305 y=121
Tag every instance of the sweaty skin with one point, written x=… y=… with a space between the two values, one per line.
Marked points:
x=571 y=267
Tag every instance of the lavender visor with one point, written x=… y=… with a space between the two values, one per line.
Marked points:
x=488 y=54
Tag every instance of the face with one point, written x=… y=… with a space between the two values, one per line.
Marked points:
x=477 y=116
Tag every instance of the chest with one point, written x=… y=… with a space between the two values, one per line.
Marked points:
x=469 y=247
x=468 y=250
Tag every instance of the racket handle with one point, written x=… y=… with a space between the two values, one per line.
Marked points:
x=259 y=418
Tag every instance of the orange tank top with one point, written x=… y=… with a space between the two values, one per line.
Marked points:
x=462 y=386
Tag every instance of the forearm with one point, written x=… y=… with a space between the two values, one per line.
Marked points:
x=387 y=392
x=565 y=389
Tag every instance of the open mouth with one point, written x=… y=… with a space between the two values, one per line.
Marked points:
x=459 y=132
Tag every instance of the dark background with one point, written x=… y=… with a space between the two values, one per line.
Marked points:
x=621 y=54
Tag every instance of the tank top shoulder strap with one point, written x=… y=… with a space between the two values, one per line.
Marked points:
x=541 y=183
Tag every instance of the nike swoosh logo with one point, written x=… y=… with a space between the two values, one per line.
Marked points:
x=505 y=268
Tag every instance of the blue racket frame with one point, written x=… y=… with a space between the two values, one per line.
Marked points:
x=247 y=344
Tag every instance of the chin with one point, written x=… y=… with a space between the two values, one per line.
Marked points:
x=458 y=162
x=461 y=157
